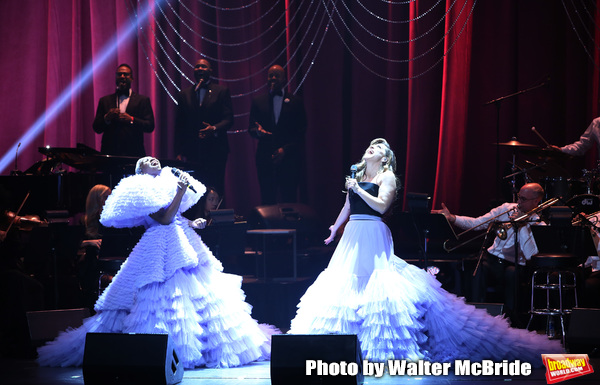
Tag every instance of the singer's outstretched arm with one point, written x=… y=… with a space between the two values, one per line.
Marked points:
x=341 y=219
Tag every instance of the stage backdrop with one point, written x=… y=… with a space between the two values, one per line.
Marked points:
x=419 y=73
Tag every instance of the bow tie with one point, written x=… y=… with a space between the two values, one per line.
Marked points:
x=122 y=92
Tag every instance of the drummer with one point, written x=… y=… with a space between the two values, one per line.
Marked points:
x=497 y=268
x=585 y=142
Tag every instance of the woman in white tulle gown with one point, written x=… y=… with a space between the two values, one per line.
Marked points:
x=170 y=283
x=397 y=310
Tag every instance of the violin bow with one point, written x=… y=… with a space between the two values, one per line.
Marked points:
x=18 y=211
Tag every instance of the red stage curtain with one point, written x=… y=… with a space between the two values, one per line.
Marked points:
x=438 y=122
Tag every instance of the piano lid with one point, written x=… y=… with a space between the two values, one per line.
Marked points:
x=85 y=158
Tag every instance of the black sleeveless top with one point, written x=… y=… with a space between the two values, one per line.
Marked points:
x=359 y=206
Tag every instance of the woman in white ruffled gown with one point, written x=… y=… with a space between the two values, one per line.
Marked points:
x=397 y=310
x=170 y=283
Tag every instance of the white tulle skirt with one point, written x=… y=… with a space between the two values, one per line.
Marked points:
x=400 y=311
x=199 y=306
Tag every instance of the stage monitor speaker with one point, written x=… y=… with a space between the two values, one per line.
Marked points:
x=493 y=309
x=45 y=325
x=300 y=217
x=296 y=216
x=583 y=333
x=290 y=353
x=113 y=358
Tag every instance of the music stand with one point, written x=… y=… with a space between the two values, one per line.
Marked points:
x=432 y=226
x=418 y=202
x=223 y=235
x=575 y=240
x=223 y=216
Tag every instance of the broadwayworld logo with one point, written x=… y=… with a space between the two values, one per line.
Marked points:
x=561 y=367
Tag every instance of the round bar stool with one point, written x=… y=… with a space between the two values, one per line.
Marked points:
x=551 y=276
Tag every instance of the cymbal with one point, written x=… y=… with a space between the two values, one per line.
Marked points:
x=514 y=143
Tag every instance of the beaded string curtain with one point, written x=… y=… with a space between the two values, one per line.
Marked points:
x=358 y=64
x=180 y=30
x=397 y=41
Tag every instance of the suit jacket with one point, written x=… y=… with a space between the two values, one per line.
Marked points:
x=287 y=133
x=124 y=138
x=216 y=110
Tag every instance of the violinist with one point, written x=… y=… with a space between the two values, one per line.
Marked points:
x=210 y=201
x=11 y=225
x=10 y=220
x=13 y=235
x=497 y=267
x=19 y=292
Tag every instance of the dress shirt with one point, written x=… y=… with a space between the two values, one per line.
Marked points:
x=123 y=101
x=585 y=142
x=505 y=249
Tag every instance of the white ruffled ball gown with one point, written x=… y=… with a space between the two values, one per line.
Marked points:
x=170 y=283
x=400 y=311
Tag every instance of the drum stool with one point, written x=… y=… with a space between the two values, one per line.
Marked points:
x=551 y=276
x=107 y=268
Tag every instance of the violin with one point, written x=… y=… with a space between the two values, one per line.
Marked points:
x=25 y=222
x=21 y=222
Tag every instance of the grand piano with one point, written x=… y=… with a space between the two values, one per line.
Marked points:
x=62 y=180
x=55 y=189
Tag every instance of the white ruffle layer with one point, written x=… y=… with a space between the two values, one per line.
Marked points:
x=170 y=283
x=400 y=311
x=137 y=196
x=161 y=251
x=203 y=310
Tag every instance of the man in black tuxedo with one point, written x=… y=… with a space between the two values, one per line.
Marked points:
x=278 y=121
x=203 y=116
x=123 y=117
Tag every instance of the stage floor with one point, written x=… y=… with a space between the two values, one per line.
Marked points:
x=26 y=372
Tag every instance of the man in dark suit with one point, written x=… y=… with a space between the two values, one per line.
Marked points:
x=123 y=117
x=278 y=121
x=203 y=116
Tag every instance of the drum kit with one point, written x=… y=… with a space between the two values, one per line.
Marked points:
x=581 y=193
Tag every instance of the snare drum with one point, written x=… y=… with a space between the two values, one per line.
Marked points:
x=585 y=203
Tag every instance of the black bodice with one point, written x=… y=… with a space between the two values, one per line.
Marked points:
x=359 y=206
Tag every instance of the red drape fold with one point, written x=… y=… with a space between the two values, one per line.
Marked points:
x=454 y=109
x=436 y=121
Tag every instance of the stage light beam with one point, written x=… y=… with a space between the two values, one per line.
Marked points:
x=77 y=84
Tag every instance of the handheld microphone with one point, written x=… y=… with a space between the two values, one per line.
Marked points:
x=177 y=172
x=199 y=84
x=353 y=170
